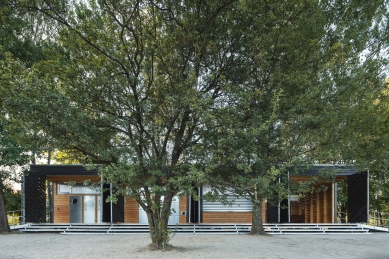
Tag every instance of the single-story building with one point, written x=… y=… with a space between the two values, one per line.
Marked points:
x=47 y=197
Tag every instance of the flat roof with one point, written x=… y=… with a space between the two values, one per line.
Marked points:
x=45 y=169
x=61 y=170
x=342 y=170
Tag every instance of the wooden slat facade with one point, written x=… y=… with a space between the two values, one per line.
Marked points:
x=314 y=207
x=131 y=211
x=182 y=206
x=61 y=206
x=227 y=217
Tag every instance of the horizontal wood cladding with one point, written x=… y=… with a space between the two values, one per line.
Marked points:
x=131 y=211
x=61 y=206
x=227 y=217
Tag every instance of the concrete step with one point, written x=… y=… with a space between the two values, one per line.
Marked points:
x=196 y=228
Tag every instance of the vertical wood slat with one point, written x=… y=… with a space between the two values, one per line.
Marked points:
x=311 y=208
x=319 y=206
x=327 y=206
x=264 y=210
x=96 y=209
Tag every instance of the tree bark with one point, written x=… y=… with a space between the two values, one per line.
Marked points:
x=257 y=222
x=4 y=227
x=158 y=223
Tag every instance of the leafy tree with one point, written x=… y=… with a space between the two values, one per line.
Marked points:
x=11 y=155
x=303 y=105
x=159 y=91
x=142 y=78
x=13 y=199
x=18 y=51
x=372 y=150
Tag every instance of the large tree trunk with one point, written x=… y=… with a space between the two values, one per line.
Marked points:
x=257 y=223
x=158 y=223
x=4 y=227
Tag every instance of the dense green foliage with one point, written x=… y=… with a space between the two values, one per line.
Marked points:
x=164 y=93
x=18 y=53
x=311 y=98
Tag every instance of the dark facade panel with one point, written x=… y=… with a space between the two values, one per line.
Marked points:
x=194 y=211
x=118 y=210
x=106 y=206
x=341 y=170
x=35 y=198
x=271 y=213
x=284 y=212
x=357 y=197
x=61 y=170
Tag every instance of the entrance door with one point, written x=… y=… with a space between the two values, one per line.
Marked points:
x=75 y=209
x=89 y=209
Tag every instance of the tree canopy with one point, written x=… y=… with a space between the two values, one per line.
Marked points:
x=162 y=92
x=18 y=52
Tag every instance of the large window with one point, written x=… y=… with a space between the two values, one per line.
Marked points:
x=77 y=189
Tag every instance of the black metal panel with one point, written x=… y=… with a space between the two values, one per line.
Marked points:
x=201 y=206
x=193 y=214
x=342 y=170
x=284 y=212
x=61 y=170
x=118 y=209
x=106 y=206
x=357 y=197
x=50 y=199
x=35 y=198
x=271 y=213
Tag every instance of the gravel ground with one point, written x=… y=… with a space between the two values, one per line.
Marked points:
x=356 y=246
